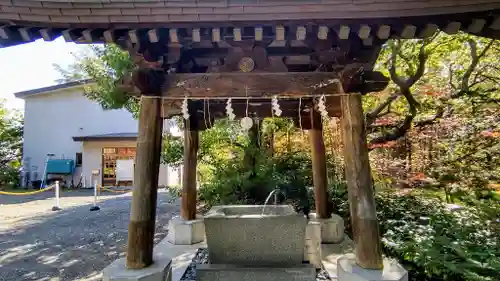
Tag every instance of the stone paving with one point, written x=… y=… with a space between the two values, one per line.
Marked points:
x=72 y=244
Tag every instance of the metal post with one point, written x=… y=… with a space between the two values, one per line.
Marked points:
x=57 y=207
x=95 y=207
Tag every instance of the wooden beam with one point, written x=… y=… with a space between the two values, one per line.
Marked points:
x=26 y=33
x=366 y=235
x=258 y=33
x=300 y=33
x=279 y=40
x=318 y=158
x=408 y=31
x=429 y=30
x=133 y=36
x=188 y=203
x=323 y=32
x=368 y=41
x=384 y=32
x=143 y=211
x=48 y=34
x=496 y=23
x=109 y=36
x=71 y=35
x=343 y=32
x=153 y=36
x=364 y=31
x=452 y=27
x=5 y=32
x=174 y=37
x=216 y=35
x=476 y=26
x=196 y=37
x=253 y=84
x=237 y=34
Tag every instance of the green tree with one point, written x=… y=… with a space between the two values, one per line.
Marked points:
x=11 y=133
x=106 y=66
x=444 y=89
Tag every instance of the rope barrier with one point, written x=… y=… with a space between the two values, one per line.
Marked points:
x=115 y=190
x=27 y=193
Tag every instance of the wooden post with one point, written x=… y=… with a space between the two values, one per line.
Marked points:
x=358 y=174
x=143 y=211
x=188 y=204
x=319 y=166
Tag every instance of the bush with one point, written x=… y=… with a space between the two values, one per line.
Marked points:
x=431 y=241
x=233 y=183
x=9 y=176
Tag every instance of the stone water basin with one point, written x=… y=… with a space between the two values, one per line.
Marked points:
x=242 y=235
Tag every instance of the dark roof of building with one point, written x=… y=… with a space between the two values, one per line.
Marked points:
x=107 y=137
x=24 y=21
x=43 y=90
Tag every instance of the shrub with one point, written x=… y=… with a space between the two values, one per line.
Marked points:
x=430 y=240
x=233 y=183
x=9 y=175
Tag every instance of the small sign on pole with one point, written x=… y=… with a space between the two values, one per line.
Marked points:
x=57 y=207
x=95 y=173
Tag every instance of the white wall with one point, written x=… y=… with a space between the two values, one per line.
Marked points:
x=92 y=159
x=52 y=119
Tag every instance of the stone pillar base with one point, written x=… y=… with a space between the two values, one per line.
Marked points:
x=348 y=270
x=183 y=232
x=332 y=229
x=160 y=270
x=312 y=247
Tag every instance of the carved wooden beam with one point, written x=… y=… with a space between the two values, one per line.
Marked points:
x=238 y=84
x=261 y=85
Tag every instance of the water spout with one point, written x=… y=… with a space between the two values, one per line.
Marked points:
x=276 y=193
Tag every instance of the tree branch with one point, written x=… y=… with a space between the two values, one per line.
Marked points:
x=397 y=133
x=474 y=62
x=372 y=115
x=422 y=58
x=392 y=70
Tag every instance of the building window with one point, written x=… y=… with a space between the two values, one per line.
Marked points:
x=78 y=159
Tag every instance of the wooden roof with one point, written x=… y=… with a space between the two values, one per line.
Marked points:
x=26 y=20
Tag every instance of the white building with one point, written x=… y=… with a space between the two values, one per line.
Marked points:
x=60 y=120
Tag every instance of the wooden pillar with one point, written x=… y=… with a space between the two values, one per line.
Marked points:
x=319 y=166
x=147 y=165
x=188 y=204
x=358 y=174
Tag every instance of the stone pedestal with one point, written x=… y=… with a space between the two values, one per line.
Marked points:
x=183 y=232
x=160 y=270
x=226 y=272
x=348 y=270
x=312 y=247
x=332 y=229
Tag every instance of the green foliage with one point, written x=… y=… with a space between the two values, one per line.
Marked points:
x=233 y=179
x=172 y=151
x=11 y=133
x=432 y=241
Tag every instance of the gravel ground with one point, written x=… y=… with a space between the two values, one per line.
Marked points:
x=201 y=257
x=72 y=244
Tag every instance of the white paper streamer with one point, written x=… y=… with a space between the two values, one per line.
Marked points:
x=276 y=106
x=322 y=107
x=229 y=110
x=184 y=108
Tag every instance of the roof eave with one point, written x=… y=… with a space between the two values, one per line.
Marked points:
x=51 y=89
